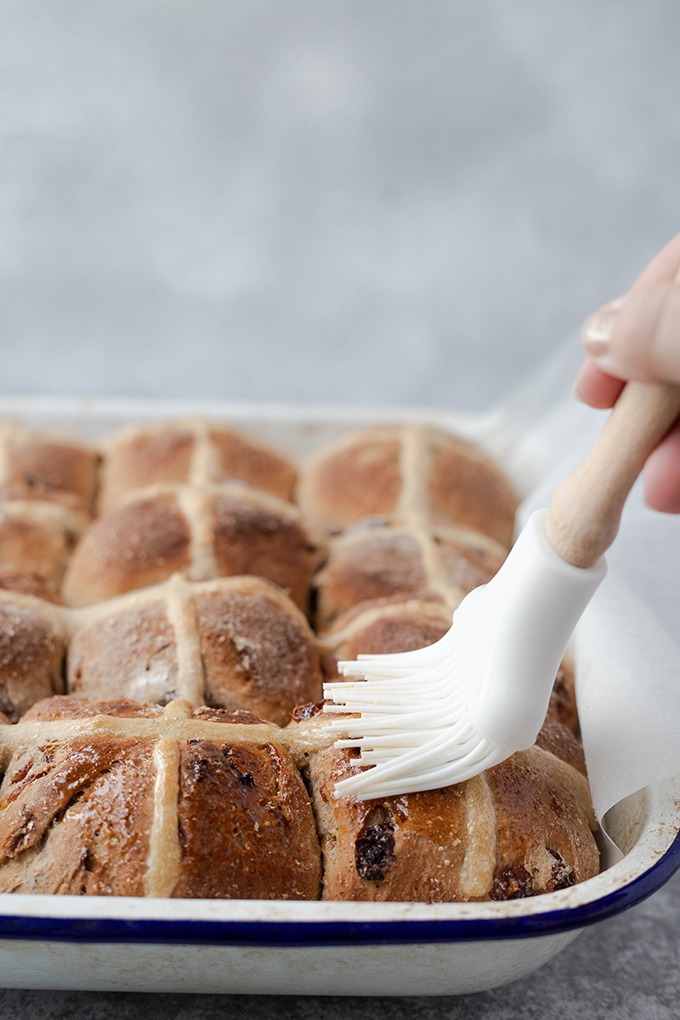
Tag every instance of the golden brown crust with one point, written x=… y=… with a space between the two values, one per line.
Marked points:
x=129 y=653
x=203 y=533
x=136 y=545
x=382 y=629
x=468 y=558
x=241 y=458
x=246 y=825
x=238 y=643
x=558 y=739
x=190 y=452
x=356 y=478
x=544 y=839
x=140 y=457
x=195 y=795
x=45 y=466
x=74 y=818
x=467 y=489
x=394 y=472
x=516 y=830
x=368 y=565
x=31 y=655
x=38 y=538
x=231 y=817
x=254 y=534
x=100 y=813
x=28 y=583
x=67 y=706
x=257 y=649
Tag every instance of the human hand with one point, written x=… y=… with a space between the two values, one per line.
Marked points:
x=637 y=336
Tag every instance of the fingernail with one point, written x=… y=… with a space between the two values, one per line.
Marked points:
x=597 y=329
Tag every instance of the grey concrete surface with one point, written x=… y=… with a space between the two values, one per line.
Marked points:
x=392 y=201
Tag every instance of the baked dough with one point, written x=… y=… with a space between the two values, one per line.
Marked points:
x=521 y=828
x=406 y=473
x=201 y=532
x=191 y=452
x=122 y=799
x=150 y=659
x=47 y=465
x=236 y=643
x=372 y=564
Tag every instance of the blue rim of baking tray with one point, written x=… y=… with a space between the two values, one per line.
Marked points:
x=290 y=934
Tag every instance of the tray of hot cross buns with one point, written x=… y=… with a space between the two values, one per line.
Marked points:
x=176 y=583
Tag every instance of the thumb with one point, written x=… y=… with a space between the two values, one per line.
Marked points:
x=638 y=336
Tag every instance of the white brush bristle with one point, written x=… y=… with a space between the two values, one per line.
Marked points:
x=409 y=721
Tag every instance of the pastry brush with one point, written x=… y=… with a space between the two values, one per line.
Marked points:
x=438 y=715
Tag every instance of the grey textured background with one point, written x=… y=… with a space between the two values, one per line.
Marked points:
x=401 y=201
x=394 y=200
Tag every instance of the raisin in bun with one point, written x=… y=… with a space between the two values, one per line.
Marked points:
x=519 y=829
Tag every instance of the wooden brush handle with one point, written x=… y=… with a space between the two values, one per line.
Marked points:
x=585 y=512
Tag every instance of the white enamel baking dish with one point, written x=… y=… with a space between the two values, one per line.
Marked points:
x=275 y=947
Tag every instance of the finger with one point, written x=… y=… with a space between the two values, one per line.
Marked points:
x=595 y=387
x=638 y=338
x=664 y=268
x=662 y=474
